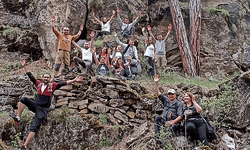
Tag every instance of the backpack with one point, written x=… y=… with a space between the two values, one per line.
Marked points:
x=127 y=33
x=210 y=129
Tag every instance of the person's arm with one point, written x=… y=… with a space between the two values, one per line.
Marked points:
x=92 y=35
x=154 y=54
x=94 y=55
x=145 y=36
x=119 y=42
x=32 y=78
x=108 y=57
x=171 y=122
x=118 y=15
x=96 y=18
x=78 y=34
x=169 y=31
x=77 y=46
x=53 y=28
x=135 y=21
x=77 y=79
x=112 y=17
x=196 y=105
x=156 y=80
x=150 y=32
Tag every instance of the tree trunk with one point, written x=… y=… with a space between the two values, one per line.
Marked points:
x=195 y=29
x=186 y=53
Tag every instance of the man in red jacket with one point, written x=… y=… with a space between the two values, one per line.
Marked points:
x=43 y=101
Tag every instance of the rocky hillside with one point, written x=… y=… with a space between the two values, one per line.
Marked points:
x=107 y=113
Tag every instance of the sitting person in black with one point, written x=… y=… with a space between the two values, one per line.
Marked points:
x=195 y=125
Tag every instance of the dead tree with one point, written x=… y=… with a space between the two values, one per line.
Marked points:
x=186 y=53
x=195 y=29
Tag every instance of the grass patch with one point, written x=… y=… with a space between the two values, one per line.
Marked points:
x=183 y=4
x=24 y=115
x=98 y=43
x=102 y=118
x=175 y=78
x=214 y=11
x=116 y=127
x=9 y=30
x=3 y=114
x=105 y=142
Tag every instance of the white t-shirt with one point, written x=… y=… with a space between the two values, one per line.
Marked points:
x=43 y=87
x=86 y=54
x=150 y=51
x=106 y=26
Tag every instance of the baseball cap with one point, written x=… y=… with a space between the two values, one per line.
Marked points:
x=171 y=91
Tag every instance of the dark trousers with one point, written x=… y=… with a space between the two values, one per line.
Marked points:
x=197 y=130
x=84 y=64
x=100 y=33
x=160 y=121
x=40 y=113
x=151 y=70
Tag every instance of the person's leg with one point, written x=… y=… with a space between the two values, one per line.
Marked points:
x=77 y=62
x=58 y=60
x=66 y=59
x=21 y=105
x=97 y=33
x=202 y=131
x=191 y=130
x=164 y=64
x=157 y=63
x=151 y=70
x=159 y=121
x=29 y=138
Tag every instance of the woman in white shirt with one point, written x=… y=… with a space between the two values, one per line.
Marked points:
x=150 y=53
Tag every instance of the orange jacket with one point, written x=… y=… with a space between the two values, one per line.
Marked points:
x=64 y=42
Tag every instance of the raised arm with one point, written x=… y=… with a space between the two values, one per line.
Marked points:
x=135 y=21
x=169 y=31
x=157 y=79
x=150 y=32
x=77 y=46
x=53 y=28
x=145 y=36
x=118 y=14
x=92 y=35
x=23 y=63
x=93 y=51
x=196 y=105
x=119 y=42
x=78 y=34
x=96 y=18
x=112 y=17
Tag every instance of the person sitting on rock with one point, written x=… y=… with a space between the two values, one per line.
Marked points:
x=102 y=67
x=172 y=109
x=87 y=55
x=130 y=50
x=195 y=125
x=150 y=53
x=43 y=100
x=160 y=57
x=127 y=29
x=121 y=69
x=103 y=52
x=64 y=46
x=105 y=25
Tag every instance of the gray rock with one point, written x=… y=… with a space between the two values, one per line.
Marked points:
x=121 y=116
x=228 y=141
x=98 y=108
x=116 y=102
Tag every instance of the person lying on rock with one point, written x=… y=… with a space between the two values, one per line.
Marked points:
x=195 y=125
x=160 y=57
x=105 y=25
x=87 y=56
x=102 y=67
x=42 y=103
x=64 y=46
x=130 y=50
x=127 y=29
x=150 y=53
x=172 y=109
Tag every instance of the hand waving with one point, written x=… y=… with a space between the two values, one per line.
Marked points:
x=156 y=78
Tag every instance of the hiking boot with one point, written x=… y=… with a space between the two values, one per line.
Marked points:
x=23 y=148
x=15 y=119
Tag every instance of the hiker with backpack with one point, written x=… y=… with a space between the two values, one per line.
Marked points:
x=127 y=29
x=195 y=125
x=41 y=106
x=172 y=109
x=102 y=67
x=105 y=25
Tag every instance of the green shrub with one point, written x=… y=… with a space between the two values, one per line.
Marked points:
x=9 y=30
x=24 y=115
x=183 y=4
x=116 y=127
x=212 y=10
x=3 y=114
x=225 y=12
x=90 y=2
x=98 y=43
x=165 y=137
x=105 y=142
x=102 y=118
x=14 y=140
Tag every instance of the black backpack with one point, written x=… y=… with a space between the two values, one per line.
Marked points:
x=210 y=129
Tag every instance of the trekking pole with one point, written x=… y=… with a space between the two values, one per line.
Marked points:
x=185 y=132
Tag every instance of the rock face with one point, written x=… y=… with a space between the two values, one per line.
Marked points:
x=26 y=25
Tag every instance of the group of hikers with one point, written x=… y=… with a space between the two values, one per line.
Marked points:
x=125 y=63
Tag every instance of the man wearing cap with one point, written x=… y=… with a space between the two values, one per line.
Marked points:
x=64 y=45
x=172 y=109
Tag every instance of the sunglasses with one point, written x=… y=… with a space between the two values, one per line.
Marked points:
x=65 y=30
x=170 y=94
